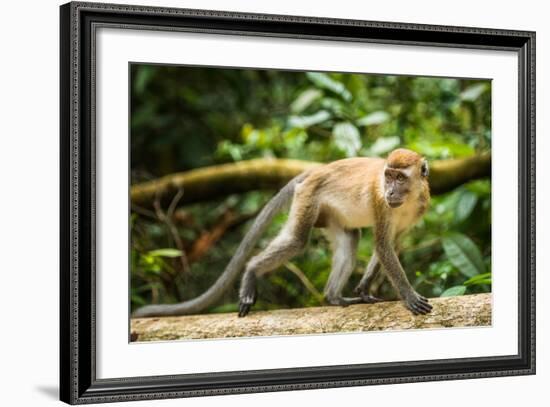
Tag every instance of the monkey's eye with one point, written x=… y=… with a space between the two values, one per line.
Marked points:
x=400 y=177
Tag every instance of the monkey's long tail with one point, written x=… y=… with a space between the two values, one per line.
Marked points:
x=235 y=266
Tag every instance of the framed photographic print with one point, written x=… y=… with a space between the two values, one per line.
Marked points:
x=256 y=203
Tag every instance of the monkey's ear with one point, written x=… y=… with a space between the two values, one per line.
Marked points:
x=424 y=170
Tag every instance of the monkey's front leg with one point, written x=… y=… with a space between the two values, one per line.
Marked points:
x=385 y=251
x=416 y=303
x=369 y=275
x=373 y=270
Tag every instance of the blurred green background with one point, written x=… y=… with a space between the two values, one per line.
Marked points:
x=188 y=117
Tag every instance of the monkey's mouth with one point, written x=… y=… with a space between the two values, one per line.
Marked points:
x=395 y=204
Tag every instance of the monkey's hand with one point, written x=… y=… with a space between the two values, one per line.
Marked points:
x=416 y=303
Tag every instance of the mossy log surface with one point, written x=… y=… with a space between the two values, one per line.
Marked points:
x=203 y=184
x=462 y=311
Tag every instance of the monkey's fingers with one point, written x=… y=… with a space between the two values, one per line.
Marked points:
x=424 y=307
x=416 y=310
x=419 y=306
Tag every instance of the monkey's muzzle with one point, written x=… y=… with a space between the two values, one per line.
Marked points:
x=394 y=203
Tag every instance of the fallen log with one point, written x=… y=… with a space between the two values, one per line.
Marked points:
x=461 y=311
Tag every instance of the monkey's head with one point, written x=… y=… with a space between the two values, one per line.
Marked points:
x=405 y=171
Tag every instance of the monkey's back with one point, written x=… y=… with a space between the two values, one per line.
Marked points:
x=342 y=189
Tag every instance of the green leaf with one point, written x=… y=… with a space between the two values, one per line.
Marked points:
x=484 y=278
x=465 y=205
x=235 y=150
x=373 y=118
x=473 y=92
x=294 y=140
x=165 y=253
x=324 y=81
x=384 y=144
x=336 y=106
x=136 y=299
x=441 y=149
x=346 y=138
x=480 y=187
x=143 y=75
x=304 y=99
x=152 y=268
x=306 y=121
x=454 y=291
x=232 y=307
x=463 y=254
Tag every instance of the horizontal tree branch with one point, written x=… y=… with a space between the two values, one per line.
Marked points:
x=466 y=310
x=203 y=184
x=445 y=175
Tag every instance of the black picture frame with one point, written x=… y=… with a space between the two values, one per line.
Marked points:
x=78 y=382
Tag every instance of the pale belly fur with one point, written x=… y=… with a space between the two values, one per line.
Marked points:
x=361 y=215
x=350 y=214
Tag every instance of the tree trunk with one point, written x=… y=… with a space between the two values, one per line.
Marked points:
x=462 y=311
x=203 y=184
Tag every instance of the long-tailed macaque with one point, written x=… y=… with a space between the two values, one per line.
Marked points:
x=389 y=195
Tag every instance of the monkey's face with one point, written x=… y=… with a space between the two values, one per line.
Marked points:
x=405 y=171
x=397 y=185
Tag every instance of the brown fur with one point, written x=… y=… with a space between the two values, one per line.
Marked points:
x=357 y=182
x=402 y=158
x=342 y=197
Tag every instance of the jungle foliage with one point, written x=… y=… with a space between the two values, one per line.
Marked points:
x=188 y=117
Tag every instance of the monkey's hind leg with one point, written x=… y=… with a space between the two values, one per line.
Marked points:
x=285 y=246
x=344 y=246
